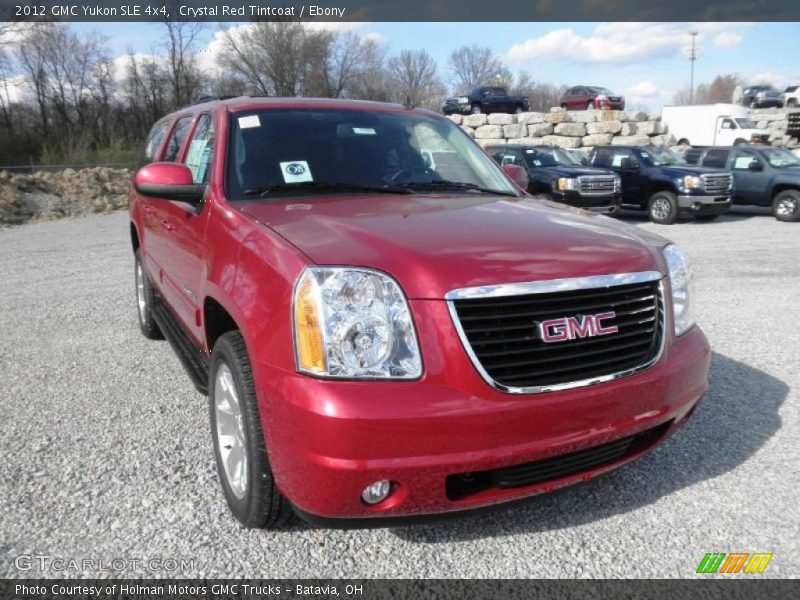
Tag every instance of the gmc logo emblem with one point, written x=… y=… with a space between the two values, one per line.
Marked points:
x=570 y=328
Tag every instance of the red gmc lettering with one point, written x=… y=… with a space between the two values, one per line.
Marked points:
x=570 y=328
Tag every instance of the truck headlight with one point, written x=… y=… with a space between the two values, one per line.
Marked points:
x=463 y=100
x=617 y=184
x=567 y=183
x=680 y=277
x=351 y=322
x=691 y=182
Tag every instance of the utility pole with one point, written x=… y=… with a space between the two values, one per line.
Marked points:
x=692 y=58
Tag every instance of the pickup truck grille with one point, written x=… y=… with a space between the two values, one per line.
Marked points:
x=451 y=103
x=597 y=185
x=793 y=127
x=718 y=183
x=501 y=334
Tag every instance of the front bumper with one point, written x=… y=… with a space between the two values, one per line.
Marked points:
x=327 y=440
x=606 y=205
x=705 y=205
x=457 y=109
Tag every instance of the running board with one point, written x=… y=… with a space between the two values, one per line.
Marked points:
x=195 y=362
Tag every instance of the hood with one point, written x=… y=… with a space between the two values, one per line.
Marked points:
x=684 y=170
x=573 y=170
x=436 y=243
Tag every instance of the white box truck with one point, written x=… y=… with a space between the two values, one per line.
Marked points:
x=712 y=125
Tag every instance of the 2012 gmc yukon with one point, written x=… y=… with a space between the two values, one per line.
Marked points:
x=380 y=337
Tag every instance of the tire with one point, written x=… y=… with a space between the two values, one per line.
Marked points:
x=740 y=142
x=706 y=218
x=476 y=109
x=145 y=300
x=590 y=105
x=683 y=142
x=564 y=107
x=252 y=496
x=663 y=208
x=517 y=109
x=791 y=103
x=786 y=206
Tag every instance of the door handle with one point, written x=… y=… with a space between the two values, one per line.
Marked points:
x=167 y=225
x=147 y=209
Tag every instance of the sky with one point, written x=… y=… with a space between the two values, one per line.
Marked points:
x=647 y=62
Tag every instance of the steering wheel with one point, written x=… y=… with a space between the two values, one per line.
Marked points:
x=395 y=178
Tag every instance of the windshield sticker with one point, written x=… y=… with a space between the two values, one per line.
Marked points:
x=645 y=154
x=537 y=162
x=364 y=131
x=249 y=122
x=296 y=171
x=197 y=159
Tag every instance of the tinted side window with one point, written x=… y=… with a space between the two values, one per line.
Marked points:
x=692 y=155
x=176 y=139
x=153 y=143
x=201 y=148
x=716 y=158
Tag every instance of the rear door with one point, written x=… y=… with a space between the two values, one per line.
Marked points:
x=751 y=186
x=630 y=178
x=726 y=132
x=716 y=158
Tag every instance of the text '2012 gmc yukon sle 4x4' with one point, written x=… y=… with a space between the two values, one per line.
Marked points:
x=381 y=338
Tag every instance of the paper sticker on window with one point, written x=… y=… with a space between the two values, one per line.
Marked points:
x=363 y=131
x=197 y=159
x=249 y=122
x=538 y=163
x=296 y=171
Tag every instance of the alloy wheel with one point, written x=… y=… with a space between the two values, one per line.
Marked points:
x=661 y=208
x=141 y=299
x=787 y=206
x=231 y=435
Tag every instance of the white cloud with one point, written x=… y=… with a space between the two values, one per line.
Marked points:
x=728 y=40
x=619 y=43
x=644 y=88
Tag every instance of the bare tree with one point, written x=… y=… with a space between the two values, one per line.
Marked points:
x=185 y=78
x=415 y=77
x=471 y=66
x=719 y=90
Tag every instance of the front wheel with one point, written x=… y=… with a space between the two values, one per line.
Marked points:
x=239 y=447
x=476 y=109
x=590 y=105
x=786 y=206
x=517 y=109
x=663 y=208
x=791 y=103
x=145 y=299
x=740 y=142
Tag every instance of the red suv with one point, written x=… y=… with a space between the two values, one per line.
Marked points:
x=587 y=97
x=386 y=325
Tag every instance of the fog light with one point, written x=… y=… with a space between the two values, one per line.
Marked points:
x=377 y=492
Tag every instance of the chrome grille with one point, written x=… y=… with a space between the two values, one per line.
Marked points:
x=718 y=183
x=498 y=326
x=597 y=185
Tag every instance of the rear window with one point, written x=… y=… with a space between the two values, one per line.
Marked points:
x=716 y=158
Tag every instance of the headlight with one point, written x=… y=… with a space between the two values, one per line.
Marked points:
x=617 y=184
x=690 y=182
x=680 y=278
x=352 y=323
x=463 y=100
x=567 y=183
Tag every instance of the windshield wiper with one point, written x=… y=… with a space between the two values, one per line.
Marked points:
x=323 y=186
x=458 y=185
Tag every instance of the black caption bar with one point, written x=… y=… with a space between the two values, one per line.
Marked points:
x=399 y=10
x=391 y=589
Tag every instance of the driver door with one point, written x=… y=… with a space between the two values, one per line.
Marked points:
x=751 y=186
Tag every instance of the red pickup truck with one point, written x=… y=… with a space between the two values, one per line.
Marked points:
x=387 y=325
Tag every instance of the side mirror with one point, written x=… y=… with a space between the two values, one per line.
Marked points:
x=518 y=175
x=756 y=165
x=628 y=164
x=168 y=181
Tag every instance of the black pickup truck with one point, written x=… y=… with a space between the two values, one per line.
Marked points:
x=557 y=175
x=658 y=180
x=762 y=176
x=486 y=99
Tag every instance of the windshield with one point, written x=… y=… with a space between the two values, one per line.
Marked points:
x=274 y=152
x=746 y=124
x=778 y=157
x=659 y=157
x=548 y=157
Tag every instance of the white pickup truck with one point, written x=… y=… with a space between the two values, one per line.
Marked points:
x=712 y=125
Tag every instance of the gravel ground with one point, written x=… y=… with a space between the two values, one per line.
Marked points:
x=108 y=452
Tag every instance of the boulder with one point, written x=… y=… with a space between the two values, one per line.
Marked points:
x=604 y=127
x=527 y=141
x=597 y=139
x=470 y=131
x=571 y=129
x=489 y=142
x=634 y=116
x=540 y=129
x=515 y=130
x=558 y=117
x=627 y=129
x=500 y=119
x=630 y=140
x=457 y=119
x=664 y=139
x=584 y=116
x=474 y=120
x=646 y=128
x=563 y=141
x=528 y=118
x=489 y=132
